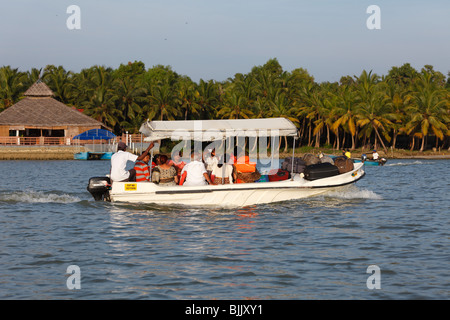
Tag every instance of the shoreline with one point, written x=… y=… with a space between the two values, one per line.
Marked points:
x=67 y=153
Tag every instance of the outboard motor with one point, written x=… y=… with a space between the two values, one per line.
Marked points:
x=99 y=188
x=382 y=161
x=363 y=157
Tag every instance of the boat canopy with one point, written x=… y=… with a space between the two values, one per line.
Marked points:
x=95 y=134
x=210 y=130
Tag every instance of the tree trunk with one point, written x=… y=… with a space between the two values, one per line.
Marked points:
x=423 y=143
x=394 y=139
x=381 y=140
x=337 y=140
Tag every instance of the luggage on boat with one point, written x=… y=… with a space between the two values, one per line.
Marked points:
x=320 y=170
x=344 y=164
x=264 y=178
x=247 y=177
x=279 y=175
x=326 y=159
x=299 y=165
x=311 y=159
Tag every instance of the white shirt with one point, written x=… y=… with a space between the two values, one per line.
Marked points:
x=211 y=162
x=119 y=164
x=375 y=156
x=195 y=170
x=217 y=172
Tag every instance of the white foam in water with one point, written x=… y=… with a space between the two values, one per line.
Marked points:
x=403 y=163
x=38 y=197
x=354 y=193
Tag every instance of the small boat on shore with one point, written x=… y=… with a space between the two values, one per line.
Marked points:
x=95 y=151
x=314 y=181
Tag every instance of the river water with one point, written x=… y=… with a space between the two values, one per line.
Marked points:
x=396 y=218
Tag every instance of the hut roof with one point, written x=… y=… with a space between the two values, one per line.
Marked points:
x=38 y=108
x=38 y=89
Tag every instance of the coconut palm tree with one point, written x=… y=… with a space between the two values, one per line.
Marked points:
x=206 y=98
x=102 y=97
x=187 y=95
x=162 y=102
x=60 y=81
x=345 y=111
x=12 y=85
x=281 y=106
x=372 y=112
x=428 y=110
x=235 y=106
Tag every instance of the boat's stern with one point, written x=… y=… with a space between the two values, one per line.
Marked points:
x=99 y=188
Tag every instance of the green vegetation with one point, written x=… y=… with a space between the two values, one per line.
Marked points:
x=404 y=109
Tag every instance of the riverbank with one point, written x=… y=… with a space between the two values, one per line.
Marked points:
x=39 y=152
x=391 y=154
x=67 y=153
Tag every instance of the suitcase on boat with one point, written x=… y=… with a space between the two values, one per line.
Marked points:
x=344 y=164
x=299 y=165
x=320 y=170
x=279 y=175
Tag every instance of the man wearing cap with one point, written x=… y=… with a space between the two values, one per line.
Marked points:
x=375 y=155
x=119 y=162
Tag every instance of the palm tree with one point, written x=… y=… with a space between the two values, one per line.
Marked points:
x=131 y=96
x=428 y=110
x=282 y=107
x=162 y=102
x=344 y=109
x=11 y=86
x=187 y=97
x=102 y=102
x=207 y=97
x=397 y=98
x=372 y=112
x=235 y=106
x=60 y=81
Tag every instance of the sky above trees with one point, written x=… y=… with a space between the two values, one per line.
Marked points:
x=209 y=39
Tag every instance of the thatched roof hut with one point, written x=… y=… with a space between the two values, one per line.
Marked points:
x=38 y=114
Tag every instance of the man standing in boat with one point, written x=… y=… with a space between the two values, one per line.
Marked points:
x=119 y=162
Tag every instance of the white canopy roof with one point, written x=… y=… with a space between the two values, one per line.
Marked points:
x=209 y=130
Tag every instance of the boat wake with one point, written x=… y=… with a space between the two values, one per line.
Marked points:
x=38 y=197
x=403 y=163
x=353 y=192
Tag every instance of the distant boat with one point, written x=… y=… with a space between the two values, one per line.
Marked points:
x=380 y=162
x=95 y=134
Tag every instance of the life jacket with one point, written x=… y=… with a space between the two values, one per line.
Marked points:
x=243 y=165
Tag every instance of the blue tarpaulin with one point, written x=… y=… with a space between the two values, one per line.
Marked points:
x=95 y=134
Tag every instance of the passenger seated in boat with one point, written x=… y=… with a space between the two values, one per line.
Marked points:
x=222 y=170
x=210 y=160
x=375 y=155
x=119 y=162
x=164 y=174
x=194 y=173
x=142 y=169
x=177 y=163
x=245 y=170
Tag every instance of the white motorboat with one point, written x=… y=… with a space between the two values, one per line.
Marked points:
x=235 y=195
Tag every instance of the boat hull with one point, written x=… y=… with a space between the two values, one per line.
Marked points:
x=370 y=162
x=231 y=195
